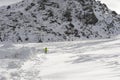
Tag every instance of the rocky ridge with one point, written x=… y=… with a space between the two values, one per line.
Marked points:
x=57 y=20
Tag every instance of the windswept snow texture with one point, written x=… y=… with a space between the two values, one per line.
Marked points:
x=57 y=20
x=80 y=60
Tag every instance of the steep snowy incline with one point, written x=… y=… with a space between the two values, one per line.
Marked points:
x=80 y=60
x=57 y=20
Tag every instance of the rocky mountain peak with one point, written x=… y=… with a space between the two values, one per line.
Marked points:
x=57 y=20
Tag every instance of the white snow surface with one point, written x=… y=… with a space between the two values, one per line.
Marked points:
x=77 y=60
x=8 y=2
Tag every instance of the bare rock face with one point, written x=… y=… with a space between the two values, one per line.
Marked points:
x=57 y=20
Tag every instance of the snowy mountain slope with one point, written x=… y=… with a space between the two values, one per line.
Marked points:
x=8 y=2
x=57 y=20
x=78 y=60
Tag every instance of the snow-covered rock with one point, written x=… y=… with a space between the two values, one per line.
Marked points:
x=57 y=20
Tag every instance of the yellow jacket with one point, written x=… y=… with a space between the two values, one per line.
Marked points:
x=46 y=50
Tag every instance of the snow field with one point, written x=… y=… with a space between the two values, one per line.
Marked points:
x=77 y=60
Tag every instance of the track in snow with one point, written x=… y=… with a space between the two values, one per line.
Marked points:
x=78 y=60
